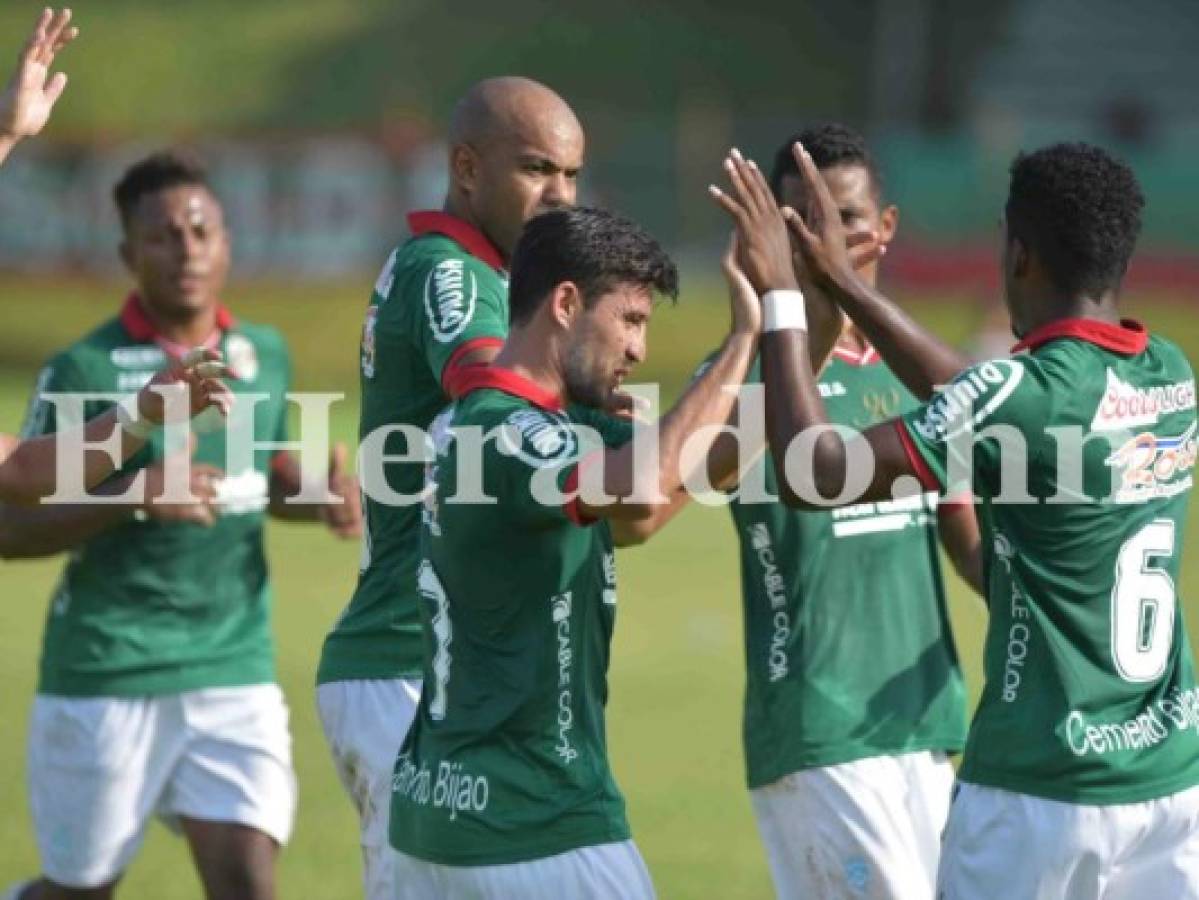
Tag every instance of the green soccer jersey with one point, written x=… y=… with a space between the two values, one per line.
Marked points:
x=1090 y=692
x=848 y=648
x=506 y=759
x=154 y=608
x=440 y=294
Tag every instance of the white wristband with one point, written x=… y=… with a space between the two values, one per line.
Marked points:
x=131 y=419
x=783 y=310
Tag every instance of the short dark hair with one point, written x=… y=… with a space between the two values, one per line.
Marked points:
x=594 y=248
x=158 y=172
x=830 y=144
x=1078 y=208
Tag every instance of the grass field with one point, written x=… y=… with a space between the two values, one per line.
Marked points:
x=674 y=716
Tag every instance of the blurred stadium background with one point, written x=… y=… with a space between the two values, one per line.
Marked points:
x=321 y=120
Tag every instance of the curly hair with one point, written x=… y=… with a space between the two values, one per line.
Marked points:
x=594 y=248
x=830 y=144
x=157 y=172
x=1078 y=208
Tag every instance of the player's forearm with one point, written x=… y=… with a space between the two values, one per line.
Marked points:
x=706 y=404
x=28 y=533
x=793 y=406
x=30 y=471
x=921 y=360
x=957 y=527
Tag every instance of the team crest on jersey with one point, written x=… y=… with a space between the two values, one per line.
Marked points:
x=368 y=341
x=450 y=294
x=241 y=357
x=1125 y=406
x=540 y=439
x=1153 y=466
x=969 y=399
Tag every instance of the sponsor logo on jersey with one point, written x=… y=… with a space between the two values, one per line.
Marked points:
x=978 y=391
x=127 y=382
x=387 y=277
x=777 y=663
x=885 y=515
x=1125 y=406
x=454 y=790
x=828 y=389
x=560 y=609
x=1176 y=712
x=1154 y=466
x=368 y=341
x=241 y=357
x=450 y=294
x=539 y=438
x=610 y=579
x=137 y=357
x=1020 y=632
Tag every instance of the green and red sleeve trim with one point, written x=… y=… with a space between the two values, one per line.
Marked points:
x=453 y=371
x=919 y=467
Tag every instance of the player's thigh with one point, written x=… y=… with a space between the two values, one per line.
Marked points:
x=601 y=872
x=237 y=766
x=1161 y=858
x=842 y=831
x=97 y=767
x=1001 y=845
x=235 y=862
x=365 y=722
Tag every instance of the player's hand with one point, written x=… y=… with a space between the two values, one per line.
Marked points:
x=744 y=301
x=864 y=248
x=343 y=519
x=202 y=480
x=31 y=93
x=819 y=233
x=763 y=243
x=200 y=371
x=630 y=407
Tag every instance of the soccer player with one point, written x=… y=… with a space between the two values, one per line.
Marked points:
x=29 y=468
x=1080 y=771
x=853 y=695
x=439 y=309
x=157 y=689
x=502 y=788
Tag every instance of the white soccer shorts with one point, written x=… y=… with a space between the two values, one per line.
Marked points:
x=365 y=722
x=867 y=828
x=1000 y=845
x=100 y=767
x=600 y=872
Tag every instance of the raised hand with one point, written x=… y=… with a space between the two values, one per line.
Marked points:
x=343 y=519
x=743 y=299
x=820 y=236
x=764 y=247
x=200 y=370
x=31 y=93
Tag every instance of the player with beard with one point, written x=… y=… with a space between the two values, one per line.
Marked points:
x=503 y=788
x=439 y=310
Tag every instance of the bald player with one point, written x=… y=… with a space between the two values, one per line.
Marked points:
x=439 y=308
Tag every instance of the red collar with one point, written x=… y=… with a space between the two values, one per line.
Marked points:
x=139 y=326
x=1129 y=337
x=473 y=241
x=475 y=378
x=868 y=356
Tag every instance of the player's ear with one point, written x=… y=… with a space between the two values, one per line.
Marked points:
x=464 y=166
x=566 y=302
x=1019 y=258
x=889 y=223
x=126 y=253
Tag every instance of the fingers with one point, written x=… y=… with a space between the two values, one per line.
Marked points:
x=338 y=460
x=57 y=35
x=799 y=228
x=814 y=182
x=33 y=47
x=54 y=89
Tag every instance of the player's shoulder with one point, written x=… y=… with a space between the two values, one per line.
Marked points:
x=106 y=346
x=1170 y=357
x=518 y=429
x=249 y=346
x=1002 y=389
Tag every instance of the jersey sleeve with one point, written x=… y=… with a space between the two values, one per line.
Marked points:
x=462 y=305
x=532 y=469
x=958 y=440
x=60 y=375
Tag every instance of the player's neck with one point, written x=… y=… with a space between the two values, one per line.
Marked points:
x=457 y=207
x=524 y=353
x=1101 y=309
x=189 y=329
